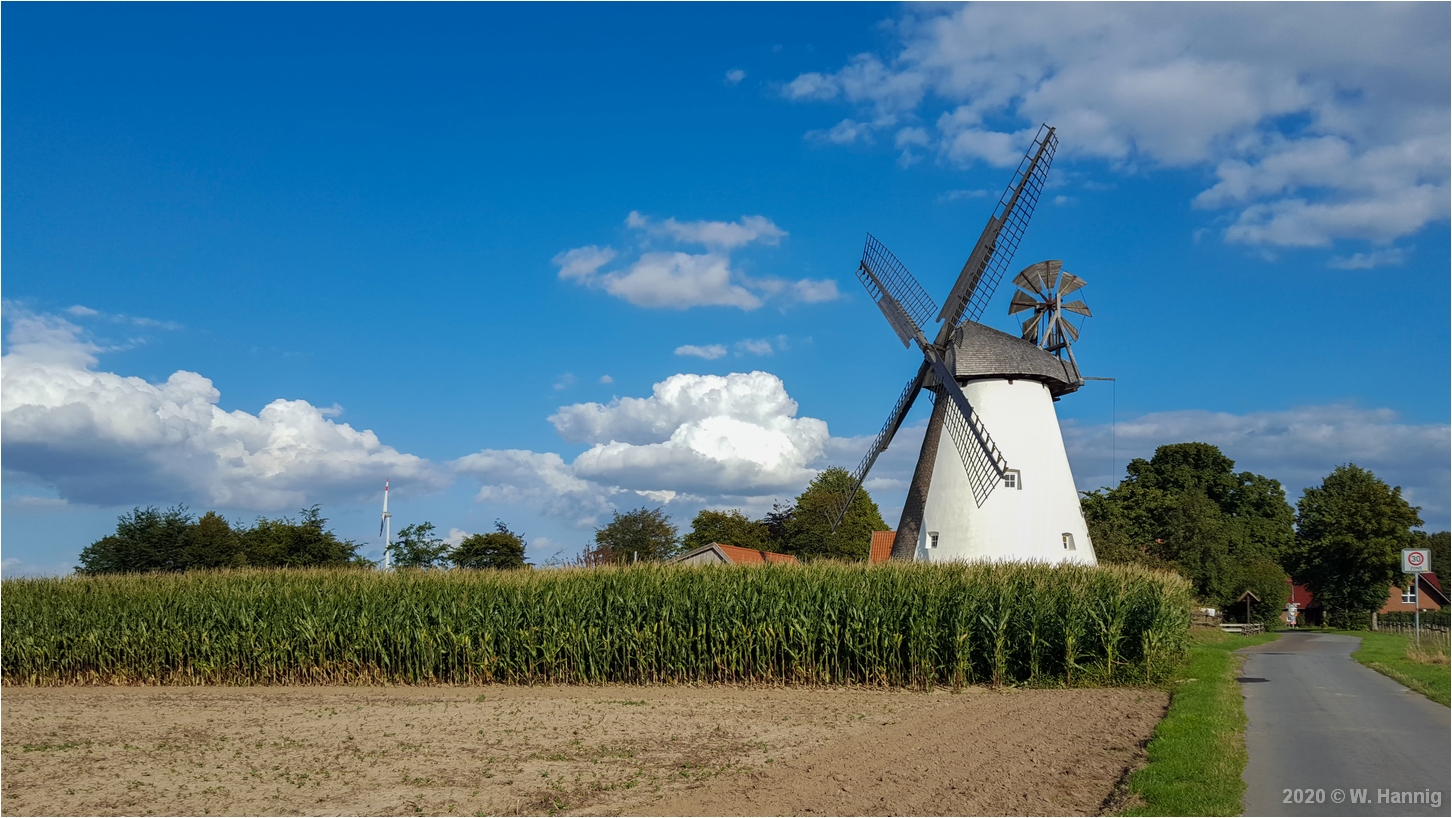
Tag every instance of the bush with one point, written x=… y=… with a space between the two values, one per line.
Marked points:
x=827 y=623
x=500 y=548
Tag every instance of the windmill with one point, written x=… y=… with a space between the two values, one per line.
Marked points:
x=385 y=528
x=992 y=392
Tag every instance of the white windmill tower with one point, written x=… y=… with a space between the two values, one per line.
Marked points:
x=385 y=529
x=981 y=380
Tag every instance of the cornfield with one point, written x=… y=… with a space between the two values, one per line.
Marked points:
x=825 y=623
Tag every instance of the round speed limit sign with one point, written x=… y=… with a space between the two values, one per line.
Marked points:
x=1414 y=560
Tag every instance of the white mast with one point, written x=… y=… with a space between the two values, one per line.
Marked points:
x=385 y=528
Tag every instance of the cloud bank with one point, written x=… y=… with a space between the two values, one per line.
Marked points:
x=1297 y=446
x=1317 y=126
x=101 y=438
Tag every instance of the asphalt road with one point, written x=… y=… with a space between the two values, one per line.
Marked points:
x=1321 y=726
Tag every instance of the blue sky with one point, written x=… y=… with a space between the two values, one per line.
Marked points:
x=538 y=263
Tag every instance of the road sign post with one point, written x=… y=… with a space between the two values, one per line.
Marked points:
x=1415 y=561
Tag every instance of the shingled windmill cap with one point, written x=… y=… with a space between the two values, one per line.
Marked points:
x=984 y=352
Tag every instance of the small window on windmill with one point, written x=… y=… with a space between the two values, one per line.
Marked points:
x=1068 y=541
x=1012 y=480
x=932 y=539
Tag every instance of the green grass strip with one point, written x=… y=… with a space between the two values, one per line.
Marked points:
x=1197 y=752
x=1387 y=654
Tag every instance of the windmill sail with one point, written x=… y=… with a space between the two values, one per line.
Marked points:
x=986 y=465
x=981 y=458
x=883 y=439
x=995 y=248
x=894 y=290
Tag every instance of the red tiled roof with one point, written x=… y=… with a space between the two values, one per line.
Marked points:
x=881 y=549
x=1431 y=577
x=751 y=556
x=1429 y=580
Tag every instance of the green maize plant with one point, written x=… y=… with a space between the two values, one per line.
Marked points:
x=908 y=625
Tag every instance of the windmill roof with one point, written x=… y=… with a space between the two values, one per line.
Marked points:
x=982 y=351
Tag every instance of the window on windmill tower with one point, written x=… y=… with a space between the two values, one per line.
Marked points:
x=932 y=539
x=1012 y=480
x=1068 y=541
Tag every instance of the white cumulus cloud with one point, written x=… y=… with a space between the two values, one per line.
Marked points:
x=677 y=279
x=102 y=438
x=695 y=439
x=717 y=234
x=539 y=480
x=1319 y=127
x=710 y=352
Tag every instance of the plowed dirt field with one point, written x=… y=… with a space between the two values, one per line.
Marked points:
x=566 y=750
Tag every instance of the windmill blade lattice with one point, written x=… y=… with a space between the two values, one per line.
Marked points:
x=1042 y=287
x=883 y=440
x=995 y=249
x=981 y=459
x=904 y=302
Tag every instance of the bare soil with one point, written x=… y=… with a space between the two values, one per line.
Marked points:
x=560 y=750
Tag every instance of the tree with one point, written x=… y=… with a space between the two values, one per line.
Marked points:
x=644 y=534
x=809 y=533
x=777 y=521
x=1438 y=542
x=1186 y=509
x=211 y=542
x=729 y=527
x=145 y=540
x=500 y=548
x=1267 y=581
x=171 y=540
x=304 y=543
x=1350 y=531
x=417 y=547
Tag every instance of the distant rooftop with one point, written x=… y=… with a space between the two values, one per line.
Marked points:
x=881 y=548
x=731 y=555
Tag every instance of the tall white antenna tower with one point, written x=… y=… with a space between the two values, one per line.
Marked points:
x=385 y=528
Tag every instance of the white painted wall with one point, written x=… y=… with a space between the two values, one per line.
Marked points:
x=1023 y=524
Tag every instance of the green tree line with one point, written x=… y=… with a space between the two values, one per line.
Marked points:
x=150 y=540
x=1188 y=510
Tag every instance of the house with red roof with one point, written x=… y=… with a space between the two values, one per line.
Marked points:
x=722 y=554
x=1433 y=598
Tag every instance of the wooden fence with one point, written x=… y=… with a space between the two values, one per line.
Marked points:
x=1428 y=631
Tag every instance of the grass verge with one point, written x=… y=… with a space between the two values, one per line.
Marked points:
x=1197 y=753
x=1395 y=655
